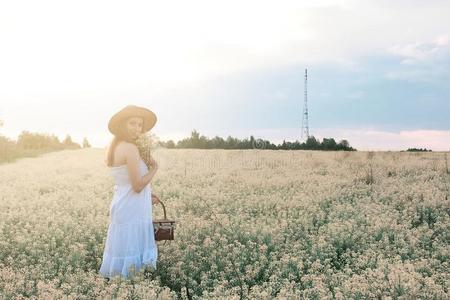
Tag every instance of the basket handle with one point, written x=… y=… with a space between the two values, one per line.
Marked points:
x=164 y=208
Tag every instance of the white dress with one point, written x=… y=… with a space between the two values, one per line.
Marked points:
x=130 y=239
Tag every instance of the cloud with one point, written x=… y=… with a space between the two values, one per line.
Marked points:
x=442 y=40
x=422 y=61
x=153 y=43
x=418 y=52
x=177 y=59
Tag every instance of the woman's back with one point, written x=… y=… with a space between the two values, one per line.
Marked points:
x=119 y=157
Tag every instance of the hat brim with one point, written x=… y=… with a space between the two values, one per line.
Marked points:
x=147 y=115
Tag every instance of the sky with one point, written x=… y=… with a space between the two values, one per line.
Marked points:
x=378 y=71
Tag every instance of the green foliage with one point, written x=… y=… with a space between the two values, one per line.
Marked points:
x=418 y=150
x=32 y=144
x=197 y=141
x=86 y=143
x=241 y=235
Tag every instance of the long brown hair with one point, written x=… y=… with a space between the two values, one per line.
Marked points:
x=122 y=135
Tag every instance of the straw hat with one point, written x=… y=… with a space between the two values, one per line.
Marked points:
x=128 y=111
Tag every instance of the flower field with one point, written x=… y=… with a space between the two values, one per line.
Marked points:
x=252 y=224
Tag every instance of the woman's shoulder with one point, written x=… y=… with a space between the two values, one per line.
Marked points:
x=124 y=146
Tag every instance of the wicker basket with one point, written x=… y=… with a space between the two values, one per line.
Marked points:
x=164 y=228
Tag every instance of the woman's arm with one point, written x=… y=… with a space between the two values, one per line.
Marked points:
x=138 y=182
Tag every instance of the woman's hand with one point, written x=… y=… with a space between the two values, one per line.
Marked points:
x=152 y=163
x=155 y=199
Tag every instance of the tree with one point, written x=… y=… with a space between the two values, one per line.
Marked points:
x=252 y=141
x=344 y=144
x=68 y=140
x=231 y=142
x=86 y=143
x=7 y=147
x=203 y=142
x=68 y=143
x=312 y=143
x=216 y=143
x=169 y=144
x=328 y=144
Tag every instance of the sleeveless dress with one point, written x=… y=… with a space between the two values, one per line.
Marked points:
x=130 y=241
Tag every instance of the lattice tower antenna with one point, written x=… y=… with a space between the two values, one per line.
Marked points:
x=305 y=128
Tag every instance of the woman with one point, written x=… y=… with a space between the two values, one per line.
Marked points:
x=130 y=241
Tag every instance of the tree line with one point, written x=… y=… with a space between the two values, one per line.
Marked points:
x=31 y=144
x=417 y=150
x=198 y=141
x=37 y=141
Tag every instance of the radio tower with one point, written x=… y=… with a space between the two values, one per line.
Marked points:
x=305 y=128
